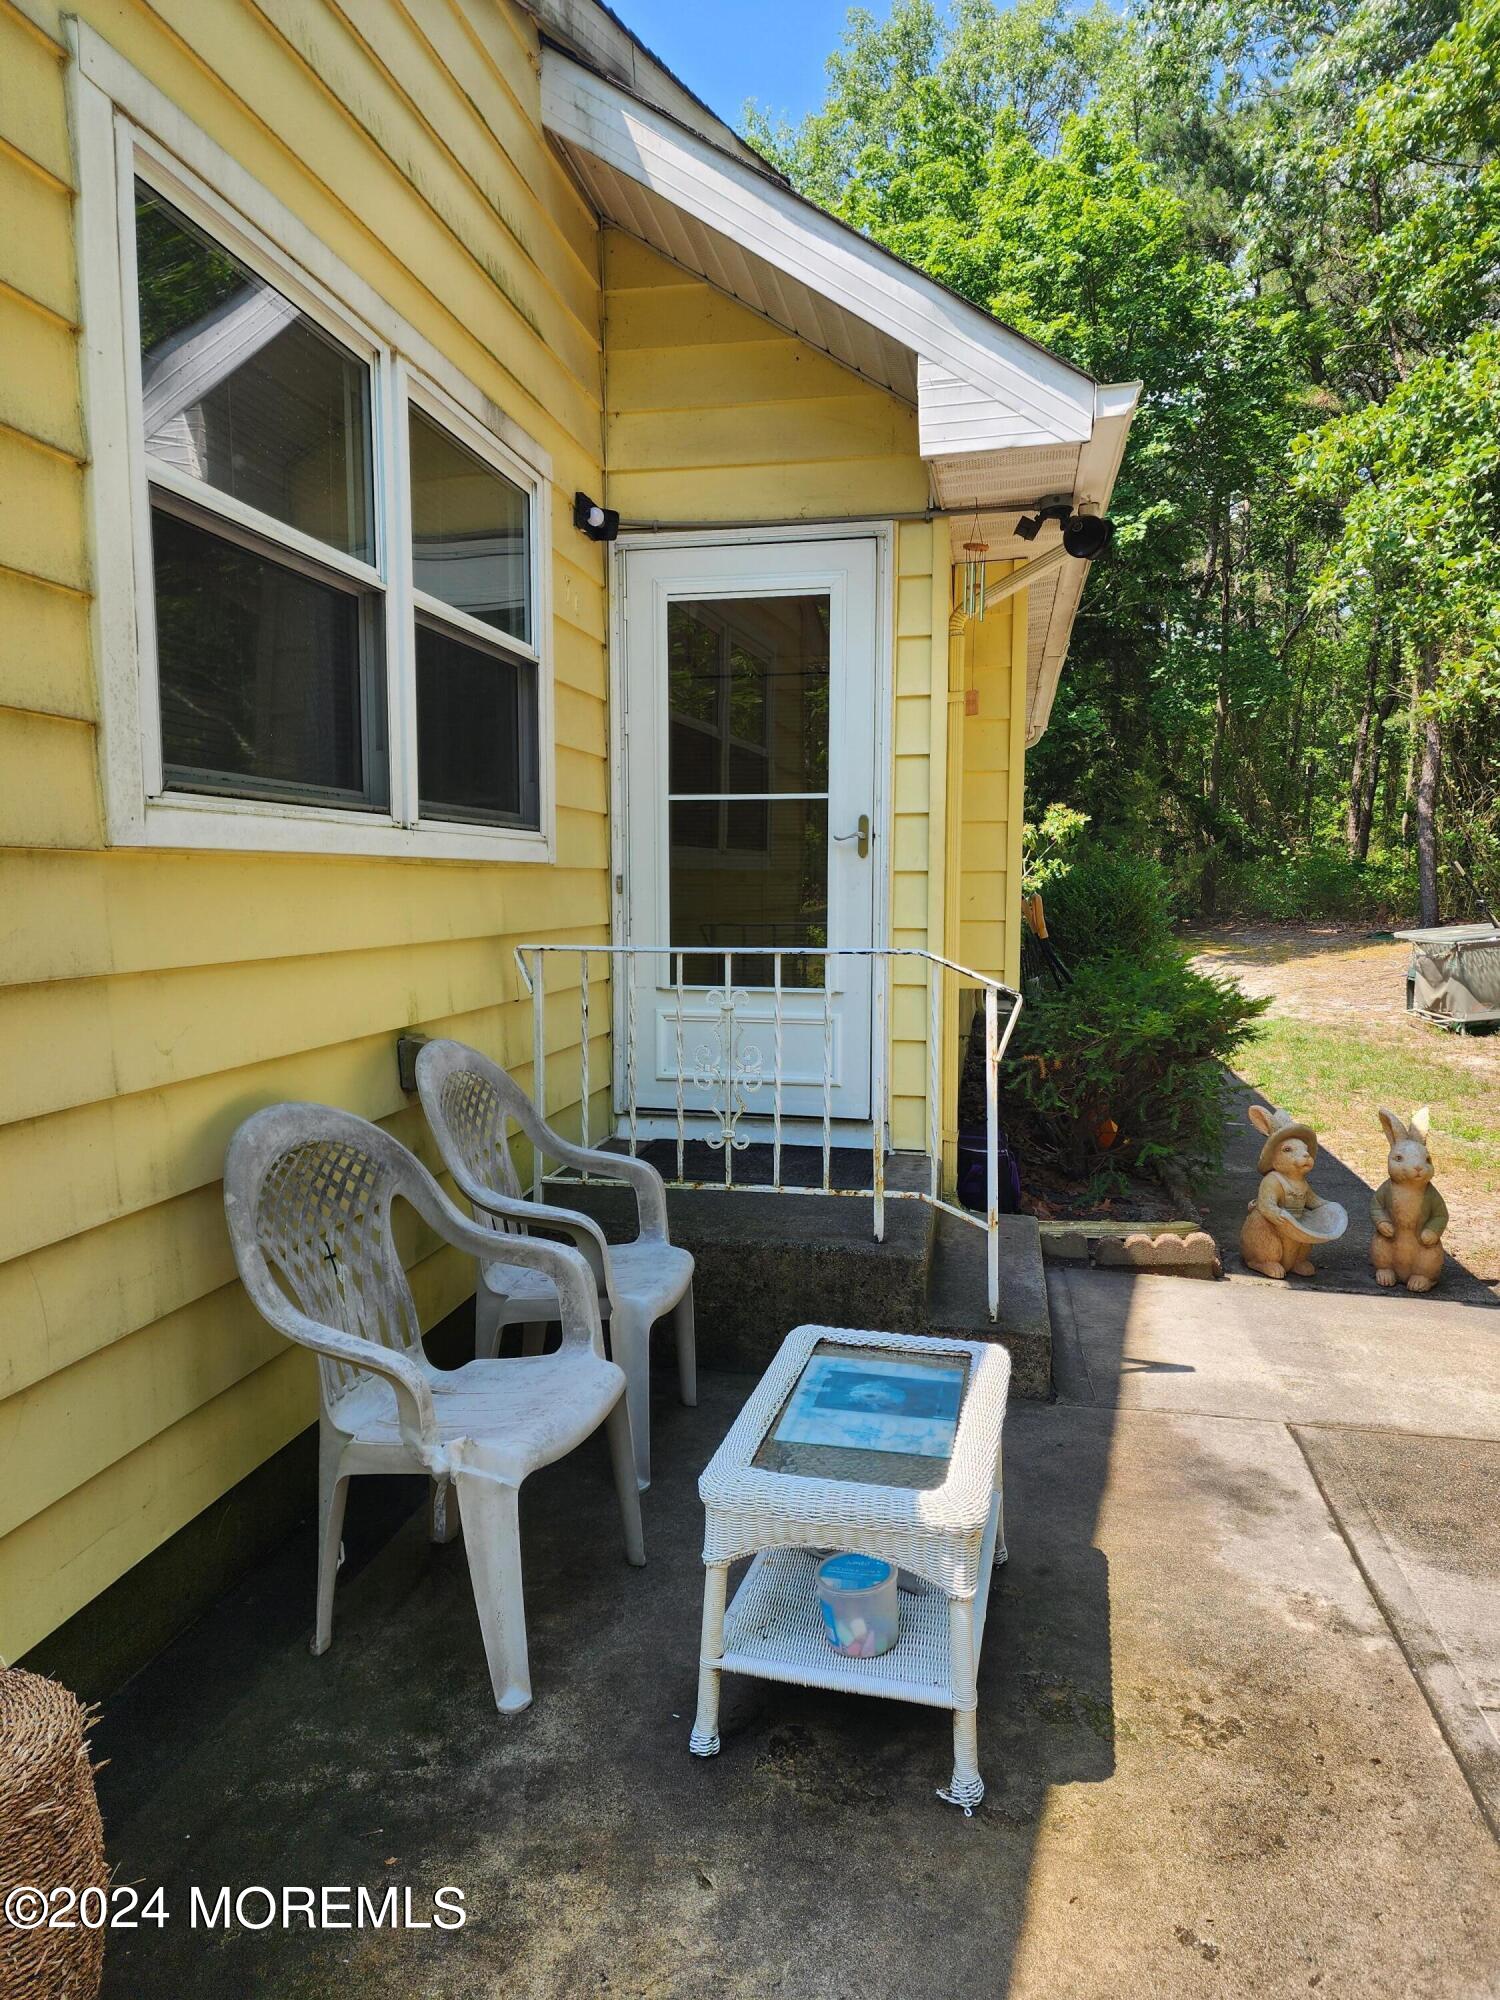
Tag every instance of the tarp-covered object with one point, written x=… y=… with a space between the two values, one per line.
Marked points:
x=1455 y=973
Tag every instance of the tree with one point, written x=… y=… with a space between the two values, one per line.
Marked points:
x=1284 y=220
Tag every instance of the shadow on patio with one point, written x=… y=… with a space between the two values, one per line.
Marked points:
x=595 y=1855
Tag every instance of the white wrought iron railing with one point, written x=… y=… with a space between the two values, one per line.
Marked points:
x=731 y=1074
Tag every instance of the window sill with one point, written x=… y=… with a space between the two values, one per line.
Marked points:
x=248 y=826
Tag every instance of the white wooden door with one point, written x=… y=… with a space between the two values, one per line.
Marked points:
x=750 y=817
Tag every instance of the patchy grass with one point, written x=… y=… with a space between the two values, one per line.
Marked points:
x=1340 y=1076
x=1338 y=1044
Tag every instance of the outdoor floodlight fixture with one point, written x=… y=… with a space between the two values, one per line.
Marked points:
x=1088 y=535
x=1030 y=525
x=1084 y=535
x=600 y=524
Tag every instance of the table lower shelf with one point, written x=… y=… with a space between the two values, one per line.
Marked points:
x=774 y=1630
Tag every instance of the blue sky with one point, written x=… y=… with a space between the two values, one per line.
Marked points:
x=728 y=50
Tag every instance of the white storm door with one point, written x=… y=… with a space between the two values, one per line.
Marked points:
x=750 y=731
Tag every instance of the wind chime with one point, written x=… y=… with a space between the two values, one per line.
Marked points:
x=975 y=553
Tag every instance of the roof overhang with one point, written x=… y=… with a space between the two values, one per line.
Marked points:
x=1002 y=423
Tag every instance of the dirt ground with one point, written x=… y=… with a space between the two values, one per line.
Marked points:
x=1337 y=1044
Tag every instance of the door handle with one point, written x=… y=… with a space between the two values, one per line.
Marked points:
x=861 y=833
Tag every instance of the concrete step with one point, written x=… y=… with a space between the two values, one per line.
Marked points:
x=769 y=1262
x=958 y=1296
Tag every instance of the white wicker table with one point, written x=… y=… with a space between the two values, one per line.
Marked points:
x=939 y=1518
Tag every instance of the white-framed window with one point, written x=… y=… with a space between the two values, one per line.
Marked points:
x=330 y=629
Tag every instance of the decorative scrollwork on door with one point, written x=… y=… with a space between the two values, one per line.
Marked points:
x=728 y=1068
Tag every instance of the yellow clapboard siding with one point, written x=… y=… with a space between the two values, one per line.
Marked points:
x=65 y=1429
x=373 y=68
x=48 y=791
x=908 y=902
x=631 y=265
x=39 y=21
x=985 y=795
x=109 y=1037
x=914 y=549
x=987 y=744
x=417 y=51
x=36 y=242
x=914 y=606
x=66 y=1301
x=582 y=838
x=46 y=651
x=913 y=726
x=582 y=780
x=78 y=916
x=984 y=945
x=912 y=789
x=39 y=383
x=120 y=1327
x=914 y=668
x=75 y=1170
x=61 y=1559
x=757 y=371
x=834 y=428
x=41 y=514
x=499 y=78
x=818 y=493
x=33 y=114
x=909 y=842
x=578 y=718
x=688 y=313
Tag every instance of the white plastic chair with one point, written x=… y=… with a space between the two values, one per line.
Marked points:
x=308 y=1194
x=469 y=1101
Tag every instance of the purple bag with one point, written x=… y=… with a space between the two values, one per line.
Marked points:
x=973 y=1173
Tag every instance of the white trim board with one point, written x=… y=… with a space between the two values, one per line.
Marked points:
x=1047 y=400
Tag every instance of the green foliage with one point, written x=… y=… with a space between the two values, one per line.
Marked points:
x=1109 y=902
x=1321 y=884
x=1048 y=846
x=1122 y=1069
x=1283 y=218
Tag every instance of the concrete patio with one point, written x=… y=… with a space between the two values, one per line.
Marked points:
x=1211 y=1766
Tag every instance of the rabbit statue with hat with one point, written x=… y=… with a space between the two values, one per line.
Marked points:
x=1408 y=1212
x=1286 y=1218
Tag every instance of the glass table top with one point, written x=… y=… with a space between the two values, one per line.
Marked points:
x=873 y=1415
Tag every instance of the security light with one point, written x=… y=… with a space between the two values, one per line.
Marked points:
x=600 y=524
x=1030 y=525
x=1088 y=535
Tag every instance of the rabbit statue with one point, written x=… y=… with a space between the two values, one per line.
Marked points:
x=1408 y=1212
x=1286 y=1217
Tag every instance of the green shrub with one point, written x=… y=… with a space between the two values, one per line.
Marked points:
x=1318 y=884
x=1109 y=901
x=1136 y=1043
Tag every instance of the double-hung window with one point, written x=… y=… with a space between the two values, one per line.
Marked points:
x=339 y=602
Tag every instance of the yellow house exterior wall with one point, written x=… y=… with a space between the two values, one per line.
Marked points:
x=151 y=999
x=713 y=414
x=159 y=997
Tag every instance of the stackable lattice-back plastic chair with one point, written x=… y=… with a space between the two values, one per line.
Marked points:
x=308 y=1194
x=469 y=1102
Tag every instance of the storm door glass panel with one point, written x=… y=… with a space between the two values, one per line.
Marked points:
x=264 y=688
x=242 y=391
x=469 y=532
x=748 y=684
